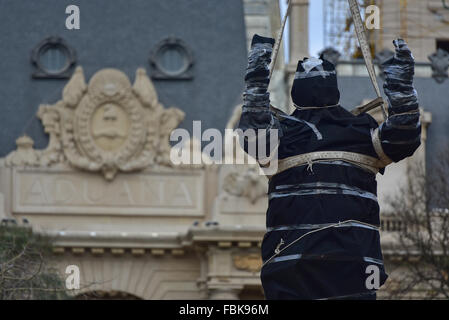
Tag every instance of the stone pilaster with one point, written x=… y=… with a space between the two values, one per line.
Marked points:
x=298 y=41
x=299 y=30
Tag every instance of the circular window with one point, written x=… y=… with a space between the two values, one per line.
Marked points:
x=171 y=60
x=53 y=58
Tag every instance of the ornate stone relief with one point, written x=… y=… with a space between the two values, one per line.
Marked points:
x=248 y=262
x=249 y=184
x=440 y=65
x=108 y=125
x=247 y=180
x=440 y=9
x=24 y=155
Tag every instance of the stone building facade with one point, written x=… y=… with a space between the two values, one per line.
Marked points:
x=423 y=24
x=134 y=224
x=85 y=147
x=90 y=165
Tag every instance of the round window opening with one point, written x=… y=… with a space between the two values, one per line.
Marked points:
x=54 y=58
x=172 y=59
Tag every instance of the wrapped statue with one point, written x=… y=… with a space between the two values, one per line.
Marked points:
x=322 y=239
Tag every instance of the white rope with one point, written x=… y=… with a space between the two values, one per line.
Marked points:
x=279 y=251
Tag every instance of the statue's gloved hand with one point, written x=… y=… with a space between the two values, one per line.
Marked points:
x=259 y=59
x=256 y=113
x=398 y=87
x=400 y=134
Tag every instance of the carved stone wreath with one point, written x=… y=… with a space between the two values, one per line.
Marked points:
x=249 y=184
x=248 y=262
x=108 y=125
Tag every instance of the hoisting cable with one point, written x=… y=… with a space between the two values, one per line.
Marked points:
x=361 y=35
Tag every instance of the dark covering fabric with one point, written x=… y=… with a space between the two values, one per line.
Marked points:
x=316 y=88
x=256 y=113
x=400 y=134
x=330 y=263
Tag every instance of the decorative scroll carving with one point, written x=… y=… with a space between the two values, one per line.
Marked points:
x=440 y=65
x=24 y=155
x=74 y=89
x=439 y=9
x=107 y=125
x=250 y=262
x=51 y=120
x=249 y=184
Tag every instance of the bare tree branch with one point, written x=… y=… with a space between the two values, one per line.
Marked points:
x=422 y=206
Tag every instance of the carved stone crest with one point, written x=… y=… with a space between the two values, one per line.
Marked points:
x=440 y=65
x=249 y=262
x=24 y=155
x=249 y=184
x=108 y=125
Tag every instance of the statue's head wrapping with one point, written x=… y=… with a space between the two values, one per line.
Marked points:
x=315 y=84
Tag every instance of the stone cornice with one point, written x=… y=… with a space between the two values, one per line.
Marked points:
x=223 y=237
